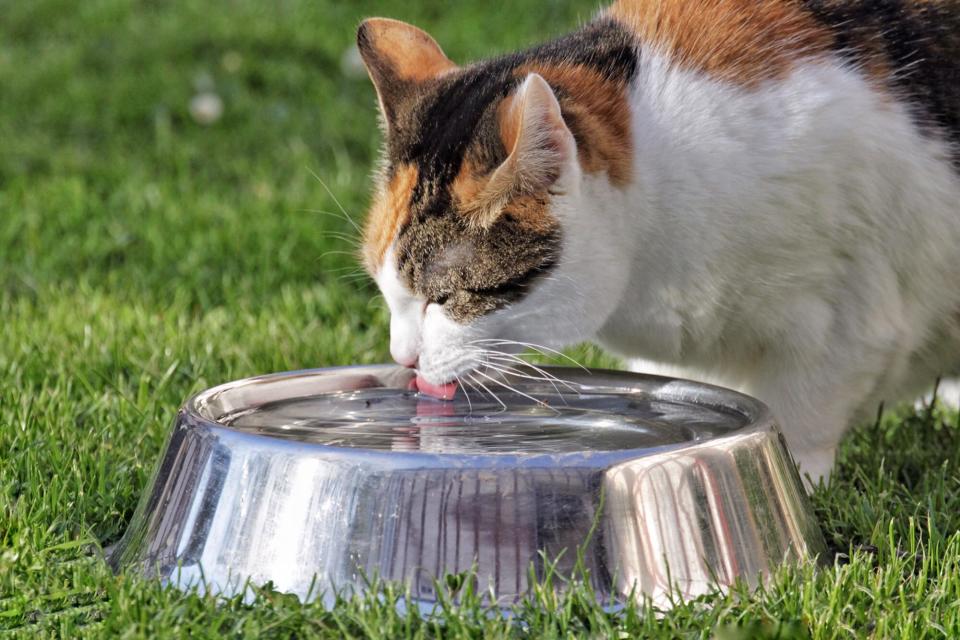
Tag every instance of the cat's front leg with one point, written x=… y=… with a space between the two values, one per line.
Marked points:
x=812 y=405
x=815 y=465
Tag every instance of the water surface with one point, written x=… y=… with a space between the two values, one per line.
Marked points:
x=389 y=419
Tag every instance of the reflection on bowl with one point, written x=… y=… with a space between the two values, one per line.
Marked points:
x=318 y=480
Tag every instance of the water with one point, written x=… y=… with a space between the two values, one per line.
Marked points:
x=390 y=419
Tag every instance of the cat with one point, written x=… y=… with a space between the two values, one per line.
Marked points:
x=761 y=194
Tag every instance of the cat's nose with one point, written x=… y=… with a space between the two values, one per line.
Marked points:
x=405 y=358
x=405 y=339
x=409 y=363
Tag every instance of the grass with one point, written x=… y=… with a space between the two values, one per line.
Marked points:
x=144 y=256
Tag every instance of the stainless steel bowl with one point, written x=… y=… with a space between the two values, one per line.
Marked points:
x=319 y=480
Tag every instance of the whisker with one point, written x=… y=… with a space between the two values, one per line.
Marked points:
x=332 y=214
x=347 y=273
x=320 y=180
x=551 y=380
x=341 y=236
x=485 y=355
x=487 y=389
x=351 y=276
x=509 y=388
x=536 y=347
x=473 y=387
x=465 y=394
x=517 y=374
x=506 y=357
x=543 y=350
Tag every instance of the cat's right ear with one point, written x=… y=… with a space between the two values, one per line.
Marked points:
x=398 y=57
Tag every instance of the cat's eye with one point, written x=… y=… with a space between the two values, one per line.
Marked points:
x=441 y=299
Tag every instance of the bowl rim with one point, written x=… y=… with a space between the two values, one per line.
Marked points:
x=205 y=408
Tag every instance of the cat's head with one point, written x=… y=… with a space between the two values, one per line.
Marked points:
x=480 y=228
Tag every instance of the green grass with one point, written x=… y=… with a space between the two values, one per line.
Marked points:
x=144 y=257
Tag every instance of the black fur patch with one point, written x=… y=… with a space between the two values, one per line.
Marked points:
x=920 y=42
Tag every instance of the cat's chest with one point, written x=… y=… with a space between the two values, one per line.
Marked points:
x=683 y=325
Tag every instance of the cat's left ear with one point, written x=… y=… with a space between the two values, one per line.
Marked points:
x=540 y=150
x=398 y=57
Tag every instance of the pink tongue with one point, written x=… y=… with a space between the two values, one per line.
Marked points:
x=441 y=391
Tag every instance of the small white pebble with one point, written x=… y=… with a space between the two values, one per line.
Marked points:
x=206 y=108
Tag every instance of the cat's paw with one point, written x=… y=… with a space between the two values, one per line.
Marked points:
x=815 y=466
x=948 y=395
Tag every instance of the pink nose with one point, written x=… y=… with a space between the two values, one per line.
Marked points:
x=407 y=360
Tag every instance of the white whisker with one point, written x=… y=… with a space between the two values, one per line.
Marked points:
x=547 y=376
x=487 y=389
x=342 y=237
x=509 y=388
x=473 y=387
x=465 y=394
x=332 y=214
x=320 y=180
x=511 y=371
x=486 y=355
x=541 y=349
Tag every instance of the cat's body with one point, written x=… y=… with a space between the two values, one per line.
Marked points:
x=763 y=195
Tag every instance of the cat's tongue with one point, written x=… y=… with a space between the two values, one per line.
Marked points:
x=441 y=391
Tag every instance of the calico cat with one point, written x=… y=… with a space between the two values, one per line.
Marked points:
x=763 y=194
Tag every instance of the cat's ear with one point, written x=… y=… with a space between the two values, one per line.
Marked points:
x=539 y=148
x=398 y=57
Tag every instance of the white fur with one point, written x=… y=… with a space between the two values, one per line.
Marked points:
x=420 y=333
x=799 y=241
x=406 y=312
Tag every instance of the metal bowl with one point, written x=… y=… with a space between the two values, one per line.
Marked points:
x=320 y=480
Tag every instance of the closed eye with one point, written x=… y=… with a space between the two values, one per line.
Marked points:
x=514 y=286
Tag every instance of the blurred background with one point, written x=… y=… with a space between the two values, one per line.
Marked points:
x=167 y=150
x=165 y=219
x=172 y=156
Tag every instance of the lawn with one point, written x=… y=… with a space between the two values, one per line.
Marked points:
x=145 y=256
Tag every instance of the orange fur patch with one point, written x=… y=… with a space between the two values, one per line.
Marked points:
x=532 y=213
x=508 y=121
x=390 y=211
x=597 y=111
x=411 y=53
x=468 y=188
x=743 y=41
x=467 y=185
